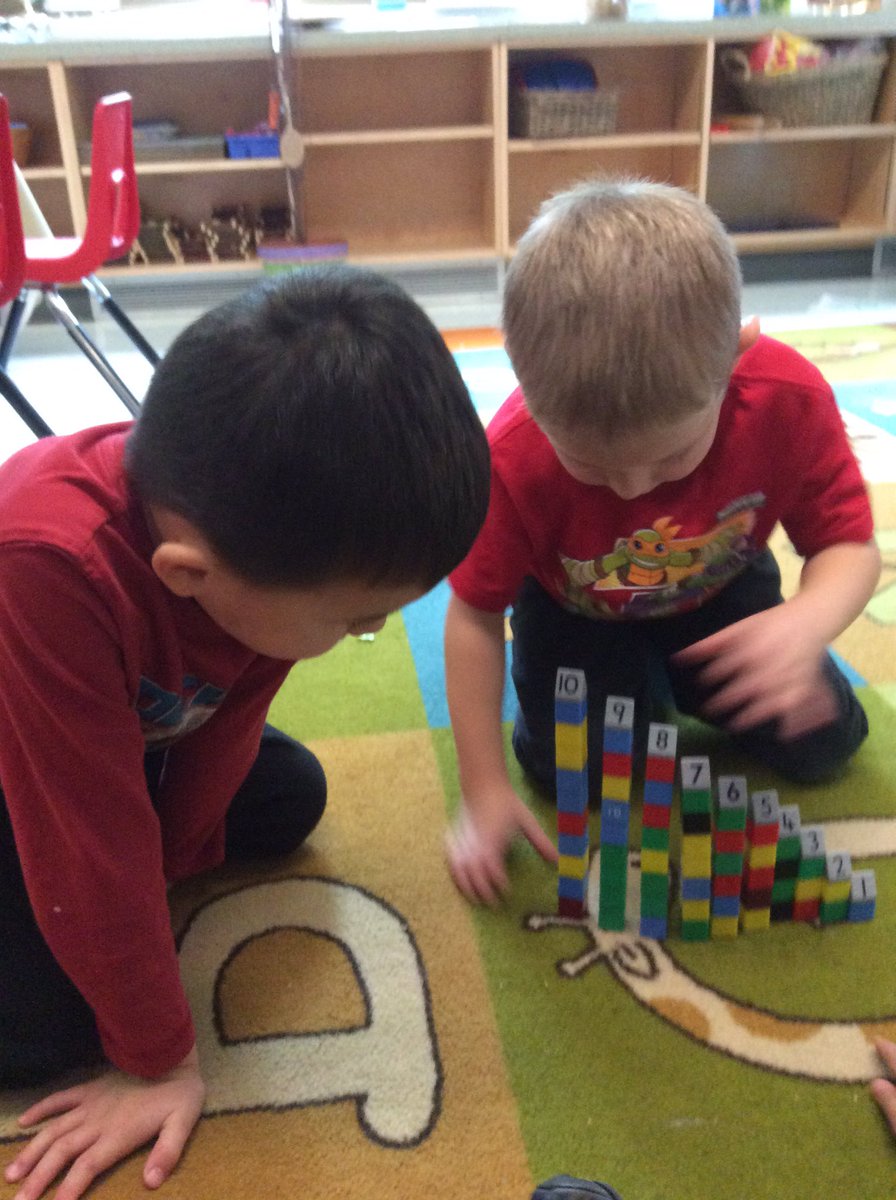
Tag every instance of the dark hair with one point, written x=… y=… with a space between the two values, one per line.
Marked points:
x=316 y=429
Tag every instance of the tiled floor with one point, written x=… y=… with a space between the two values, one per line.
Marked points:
x=69 y=393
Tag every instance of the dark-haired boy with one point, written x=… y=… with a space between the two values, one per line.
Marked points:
x=307 y=461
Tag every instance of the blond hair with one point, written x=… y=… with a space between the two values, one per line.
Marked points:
x=622 y=307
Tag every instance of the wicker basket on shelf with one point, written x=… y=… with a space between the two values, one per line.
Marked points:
x=836 y=92
x=562 y=112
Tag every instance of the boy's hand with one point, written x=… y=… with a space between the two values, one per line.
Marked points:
x=883 y=1091
x=99 y=1123
x=766 y=667
x=478 y=843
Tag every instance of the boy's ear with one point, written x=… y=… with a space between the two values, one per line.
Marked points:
x=749 y=333
x=182 y=566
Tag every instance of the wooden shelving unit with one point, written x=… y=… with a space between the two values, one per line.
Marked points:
x=408 y=157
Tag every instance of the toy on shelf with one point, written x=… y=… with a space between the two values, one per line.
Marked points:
x=559 y=98
x=793 y=82
x=746 y=859
x=260 y=142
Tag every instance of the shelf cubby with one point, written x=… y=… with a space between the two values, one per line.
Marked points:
x=388 y=204
x=832 y=190
x=533 y=177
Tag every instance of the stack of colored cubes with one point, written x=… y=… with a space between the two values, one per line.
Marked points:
x=619 y=721
x=836 y=887
x=659 y=783
x=728 y=855
x=787 y=863
x=745 y=861
x=763 y=823
x=807 y=904
x=696 y=848
x=571 y=732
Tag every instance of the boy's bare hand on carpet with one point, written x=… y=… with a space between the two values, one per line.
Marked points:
x=477 y=845
x=99 y=1123
x=883 y=1091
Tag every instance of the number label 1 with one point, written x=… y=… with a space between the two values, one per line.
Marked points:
x=864 y=886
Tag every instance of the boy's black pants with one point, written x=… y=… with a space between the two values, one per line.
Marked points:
x=633 y=658
x=46 y=1027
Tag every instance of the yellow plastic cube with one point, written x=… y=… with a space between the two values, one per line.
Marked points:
x=762 y=856
x=571 y=867
x=808 y=889
x=723 y=927
x=755 y=918
x=571 y=746
x=655 y=862
x=696 y=856
x=695 y=910
x=616 y=787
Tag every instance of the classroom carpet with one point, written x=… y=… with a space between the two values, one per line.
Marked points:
x=366 y=1034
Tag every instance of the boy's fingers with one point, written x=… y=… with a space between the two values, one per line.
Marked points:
x=488 y=882
x=887 y=1050
x=83 y=1172
x=700 y=651
x=166 y=1152
x=50 y=1106
x=885 y=1094
x=40 y=1145
x=537 y=836
x=51 y=1164
x=473 y=882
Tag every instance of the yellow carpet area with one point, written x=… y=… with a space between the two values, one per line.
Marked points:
x=336 y=1034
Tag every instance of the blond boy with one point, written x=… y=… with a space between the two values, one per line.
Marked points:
x=637 y=474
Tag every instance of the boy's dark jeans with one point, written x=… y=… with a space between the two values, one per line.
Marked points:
x=632 y=658
x=46 y=1028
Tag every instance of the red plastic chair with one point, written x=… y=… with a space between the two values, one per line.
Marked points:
x=12 y=238
x=113 y=221
x=12 y=265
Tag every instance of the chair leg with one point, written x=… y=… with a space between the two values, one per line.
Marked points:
x=105 y=298
x=77 y=333
x=11 y=328
x=22 y=408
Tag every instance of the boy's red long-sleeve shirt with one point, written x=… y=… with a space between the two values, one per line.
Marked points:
x=98 y=663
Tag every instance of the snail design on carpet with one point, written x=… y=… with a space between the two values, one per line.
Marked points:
x=837 y=1051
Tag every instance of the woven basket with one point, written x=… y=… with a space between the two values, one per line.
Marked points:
x=562 y=113
x=837 y=92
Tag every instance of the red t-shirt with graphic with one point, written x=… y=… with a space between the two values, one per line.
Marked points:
x=780 y=454
x=98 y=662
